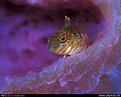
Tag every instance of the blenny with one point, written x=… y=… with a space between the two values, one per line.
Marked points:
x=68 y=40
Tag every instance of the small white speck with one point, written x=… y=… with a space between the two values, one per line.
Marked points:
x=63 y=82
x=38 y=65
x=8 y=80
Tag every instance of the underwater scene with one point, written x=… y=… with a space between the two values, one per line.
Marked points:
x=60 y=46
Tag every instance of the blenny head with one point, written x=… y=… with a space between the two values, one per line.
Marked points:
x=68 y=40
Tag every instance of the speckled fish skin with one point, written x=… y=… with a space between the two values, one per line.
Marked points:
x=69 y=40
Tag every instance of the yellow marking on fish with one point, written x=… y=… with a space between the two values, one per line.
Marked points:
x=68 y=50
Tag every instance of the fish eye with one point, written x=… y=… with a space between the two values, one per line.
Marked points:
x=62 y=39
